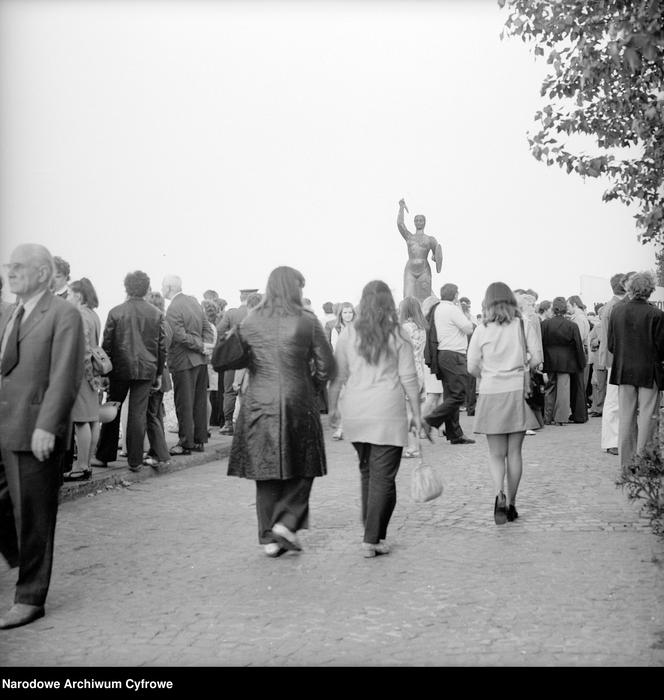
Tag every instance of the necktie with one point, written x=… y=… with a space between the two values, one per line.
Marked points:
x=10 y=356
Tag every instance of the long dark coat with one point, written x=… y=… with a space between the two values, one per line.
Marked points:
x=636 y=339
x=278 y=434
x=563 y=349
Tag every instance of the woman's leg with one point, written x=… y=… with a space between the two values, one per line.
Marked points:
x=514 y=465
x=363 y=449
x=383 y=466
x=95 y=428
x=497 y=459
x=83 y=446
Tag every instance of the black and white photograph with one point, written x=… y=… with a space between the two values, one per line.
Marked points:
x=331 y=337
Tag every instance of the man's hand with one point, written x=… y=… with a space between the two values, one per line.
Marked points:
x=156 y=384
x=42 y=444
x=402 y=205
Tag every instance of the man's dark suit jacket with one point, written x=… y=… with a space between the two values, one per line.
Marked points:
x=40 y=391
x=190 y=330
x=563 y=348
x=636 y=339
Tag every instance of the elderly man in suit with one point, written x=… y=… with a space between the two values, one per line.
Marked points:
x=187 y=363
x=41 y=368
x=636 y=339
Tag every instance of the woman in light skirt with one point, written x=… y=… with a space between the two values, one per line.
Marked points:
x=502 y=348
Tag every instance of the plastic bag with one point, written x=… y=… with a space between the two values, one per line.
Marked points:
x=425 y=483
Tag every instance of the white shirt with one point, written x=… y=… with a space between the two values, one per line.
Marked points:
x=452 y=327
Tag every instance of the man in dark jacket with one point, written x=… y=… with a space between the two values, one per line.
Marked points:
x=563 y=356
x=636 y=338
x=134 y=340
x=188 y=365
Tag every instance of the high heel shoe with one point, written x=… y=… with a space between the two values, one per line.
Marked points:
x=512 y=514
x=500 y=509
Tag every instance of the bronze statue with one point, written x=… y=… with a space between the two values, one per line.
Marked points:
x=417 y=274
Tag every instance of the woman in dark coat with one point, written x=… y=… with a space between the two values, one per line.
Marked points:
x=278 y=440
x=563 y=356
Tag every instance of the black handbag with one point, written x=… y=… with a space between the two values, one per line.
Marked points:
x=230 y=353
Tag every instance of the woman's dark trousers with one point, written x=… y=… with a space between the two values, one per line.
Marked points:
x=379 y=465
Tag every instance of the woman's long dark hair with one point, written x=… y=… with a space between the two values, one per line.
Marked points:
x=87 y=291
x=499 y=305
x=411 y=309
x=376 y=321
x=283 y=293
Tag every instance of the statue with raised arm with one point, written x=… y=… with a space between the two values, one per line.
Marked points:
x=417 y=274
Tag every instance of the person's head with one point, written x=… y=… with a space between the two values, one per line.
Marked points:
x=210 y=310
x=617 y=285
x=253 y=300
x=626 y=278
x=221 y=305
x=170 y=286
x=449 y=292
x=410 y=309
x=532 y=293
x=156 y=299
x=544 y=309
x=559 y=306
x=499 y=304
x=376 y=321
x=525 y=302
x=210 y=295
x=346 y=314
x=328 y=308
x=30 y=270
x=574 y=302
x=137 y=284
x=283 y=292
x=420 y=221
x=244 y=294
x=61 y=274
x=641 y=285
x=464 y=303
x=83 y=293
x=598 y=308
x=306 y=302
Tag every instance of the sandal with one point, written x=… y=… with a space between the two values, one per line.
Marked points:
x=77 y=475
x=179 y=451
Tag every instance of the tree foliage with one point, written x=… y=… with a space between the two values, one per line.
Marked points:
x=606 y=81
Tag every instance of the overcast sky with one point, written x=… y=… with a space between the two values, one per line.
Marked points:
x=217 y=140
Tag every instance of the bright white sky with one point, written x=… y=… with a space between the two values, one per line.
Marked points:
x=217 y=140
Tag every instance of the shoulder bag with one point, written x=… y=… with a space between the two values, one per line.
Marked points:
x=230 y=352
x=101 y=362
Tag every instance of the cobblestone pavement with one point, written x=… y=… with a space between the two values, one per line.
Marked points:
x=167 y=572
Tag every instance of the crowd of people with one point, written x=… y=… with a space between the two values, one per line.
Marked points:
x=388 y=375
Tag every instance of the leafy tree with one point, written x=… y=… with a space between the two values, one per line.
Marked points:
x=659 y=258
x=606 y=81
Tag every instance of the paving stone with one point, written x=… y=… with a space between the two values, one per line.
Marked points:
x=167 y=571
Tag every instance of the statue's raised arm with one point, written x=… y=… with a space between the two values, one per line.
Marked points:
x=400 y=224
